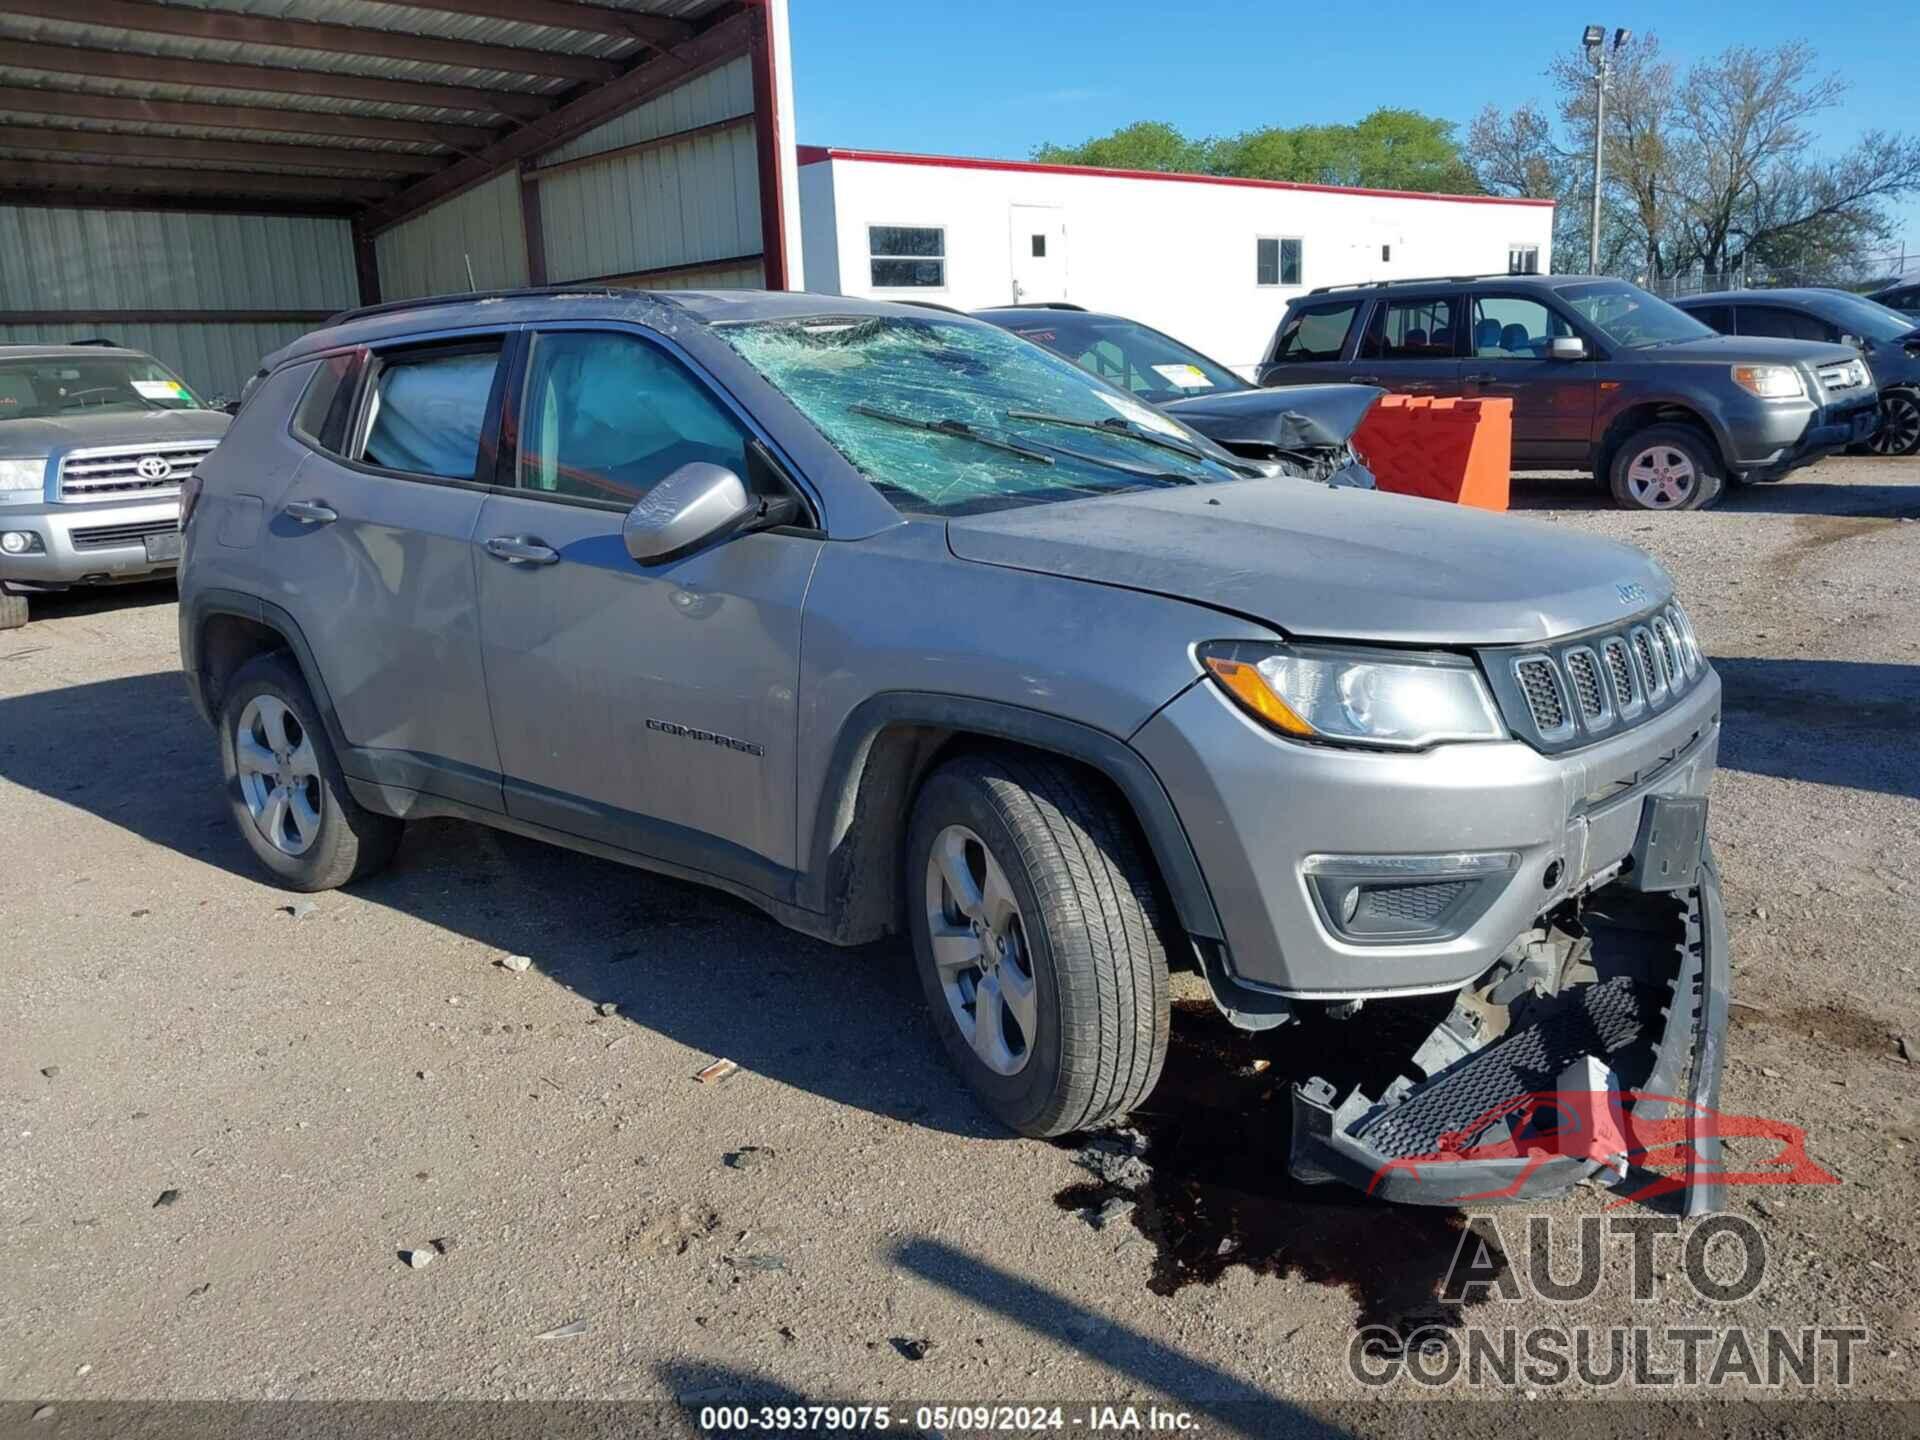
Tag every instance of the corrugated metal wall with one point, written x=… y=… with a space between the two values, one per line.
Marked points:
x=683 y=203
x=102 y=261
x=429 y=254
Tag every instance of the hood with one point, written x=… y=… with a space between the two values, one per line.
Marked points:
x=29 y=438
x=1894 y=362
x=1734 y=349
x=1299 y=417
x=1330 y=563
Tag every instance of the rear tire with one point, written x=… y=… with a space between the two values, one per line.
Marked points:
x=1666 y=467
x=289 y=796
x=1899 y=432
x=13 y=611
x=1028 y=866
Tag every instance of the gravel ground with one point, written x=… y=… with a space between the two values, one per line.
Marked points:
x=227 y=1114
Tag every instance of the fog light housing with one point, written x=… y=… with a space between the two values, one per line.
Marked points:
x=20 y=542
x=1406 y=899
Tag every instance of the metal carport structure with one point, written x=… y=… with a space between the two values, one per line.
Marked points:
x=205 y=180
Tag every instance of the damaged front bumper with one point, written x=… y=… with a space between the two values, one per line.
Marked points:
x=1576 y=1085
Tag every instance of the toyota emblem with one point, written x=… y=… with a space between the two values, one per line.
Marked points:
x=154 y=467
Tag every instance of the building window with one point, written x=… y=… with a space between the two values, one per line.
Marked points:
x=1276 y=261
x=907 y=256
x=1523 y=260
x=1386 y=253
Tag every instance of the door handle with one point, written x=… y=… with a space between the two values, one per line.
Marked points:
x=521 y=550
x=1483 y=379
x=1364 y=379
x=310 y=512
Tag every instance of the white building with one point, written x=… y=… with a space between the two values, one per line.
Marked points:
x=1208 y=259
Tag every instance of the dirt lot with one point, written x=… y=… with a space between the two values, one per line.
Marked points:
x=318 y=1089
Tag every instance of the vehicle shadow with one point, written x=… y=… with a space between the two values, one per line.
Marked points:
x=102 y=599
x=1230 y=1400
x=1833 y=722
x=1801 y=494
x=709 y=971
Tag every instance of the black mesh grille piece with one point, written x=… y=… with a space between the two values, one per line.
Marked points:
x=1416 y=903
x=1651 y=676
x=1669 y=651
x=1622 y=671
x=1586 y=684
x=1543 y=694
x=1612 y=1015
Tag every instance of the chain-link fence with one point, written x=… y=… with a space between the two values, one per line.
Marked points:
x=1862 y=273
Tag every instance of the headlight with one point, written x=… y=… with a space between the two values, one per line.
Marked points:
x=1770 y=382
x=22 y=481
x=1357 y=696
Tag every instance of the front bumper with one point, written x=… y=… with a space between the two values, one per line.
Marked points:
x=1437 y=1155
x=68 y=554
x=1773 y=437
x=1255 y=806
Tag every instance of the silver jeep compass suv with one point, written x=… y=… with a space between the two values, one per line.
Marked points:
x=891 y=621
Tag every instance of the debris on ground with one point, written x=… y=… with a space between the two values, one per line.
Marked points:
x=197 y=1291
x=300 y=909
x=1109 y=1212
x=516 y=963
x=52 y=1070
x=608 y=1008
x=45 y=1412
x=443 y=1243
x=672 y=1234
x=418 y=1259
x=1115 y=1156
x=748 y=1156
x=1903 y=1047
x=716 y=1072
x=564 y=1332
x=911 y=1347
x=167 y=1197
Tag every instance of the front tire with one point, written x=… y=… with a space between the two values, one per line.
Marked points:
x=289 y=796
x=1899 y=432
x=1037 y=930
x=1666 y=467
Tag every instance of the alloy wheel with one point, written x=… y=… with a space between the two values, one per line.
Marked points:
x=1662 y=477
x=1899 y=432
x=980 y=950
x=279 y=775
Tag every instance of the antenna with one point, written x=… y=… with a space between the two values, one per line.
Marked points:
x=466 y=256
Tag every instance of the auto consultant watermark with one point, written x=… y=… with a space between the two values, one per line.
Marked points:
x=1721 y=1259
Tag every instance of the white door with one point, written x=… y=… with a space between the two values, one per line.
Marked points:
x=1038 y=235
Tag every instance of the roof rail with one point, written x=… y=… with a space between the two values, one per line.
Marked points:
x=1039 y=305
x=932 y=305
x=422 y=302
x=1419 y=280
x=101 y=341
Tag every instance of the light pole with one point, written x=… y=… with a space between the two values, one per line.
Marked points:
x=1600 y=57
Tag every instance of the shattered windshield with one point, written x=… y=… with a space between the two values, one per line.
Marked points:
x=948 y=417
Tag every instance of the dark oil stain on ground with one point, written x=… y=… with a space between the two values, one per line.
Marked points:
x=1832 y=1023
x=1218 y=1129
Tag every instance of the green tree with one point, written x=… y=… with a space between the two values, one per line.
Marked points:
x=1390 y=149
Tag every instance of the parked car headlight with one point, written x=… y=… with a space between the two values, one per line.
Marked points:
x=1771 y=382
x=1356 y=696
x=22 y=481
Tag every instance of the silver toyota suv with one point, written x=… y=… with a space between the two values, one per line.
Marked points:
x=890 y=621
x=94 y=443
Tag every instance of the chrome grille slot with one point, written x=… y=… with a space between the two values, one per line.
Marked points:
x=1841 y=375
x=1626 y=695
x=1653 y=679
x=121 y=472
x=1541 y=685
x=1589 y=692
x=1669 y=647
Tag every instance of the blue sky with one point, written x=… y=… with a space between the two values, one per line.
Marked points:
x=996 y=78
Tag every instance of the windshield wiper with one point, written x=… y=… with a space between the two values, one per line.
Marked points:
x=959 y=429
x=1115 y=425
x=1107 y=462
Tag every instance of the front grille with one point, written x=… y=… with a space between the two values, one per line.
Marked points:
x=1843 y=375
x=120 y=472
x=1574 y=691
x=1542 y=690
x=109 y=537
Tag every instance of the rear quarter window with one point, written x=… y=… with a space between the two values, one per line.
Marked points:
x=1314 y=332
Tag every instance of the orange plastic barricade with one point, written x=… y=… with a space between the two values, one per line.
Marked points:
x=1459 y=450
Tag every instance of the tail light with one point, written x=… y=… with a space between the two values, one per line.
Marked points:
x=189 y=496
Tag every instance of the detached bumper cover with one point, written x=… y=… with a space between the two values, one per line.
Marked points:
x=1423 y=1149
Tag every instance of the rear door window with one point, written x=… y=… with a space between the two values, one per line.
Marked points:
x=426 y=410
x=1314 y=332
x=1411 y=330
x=1783 y=324
x=1717 y=317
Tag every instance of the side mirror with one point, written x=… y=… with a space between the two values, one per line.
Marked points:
x=1567 y=347
x=695 y=504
